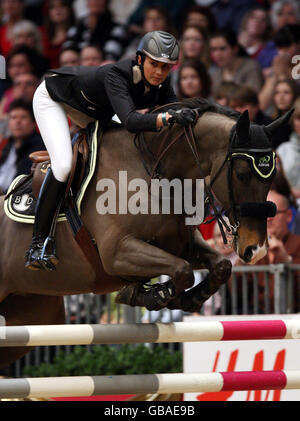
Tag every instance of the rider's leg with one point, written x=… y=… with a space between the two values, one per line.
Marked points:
x=53 y=125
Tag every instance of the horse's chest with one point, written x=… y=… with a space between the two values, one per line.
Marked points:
x=171 y=238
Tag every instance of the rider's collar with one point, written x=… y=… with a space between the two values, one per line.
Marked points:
x=137 y=74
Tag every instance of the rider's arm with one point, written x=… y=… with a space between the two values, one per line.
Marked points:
x=118 y=91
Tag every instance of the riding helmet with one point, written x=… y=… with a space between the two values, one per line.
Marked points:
x=160 y=46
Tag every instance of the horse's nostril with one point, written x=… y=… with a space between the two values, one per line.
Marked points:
x=249 y=253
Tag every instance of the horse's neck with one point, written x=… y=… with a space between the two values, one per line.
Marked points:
x=213 y=134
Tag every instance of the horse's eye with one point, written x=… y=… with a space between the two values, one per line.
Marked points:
x=244 y=176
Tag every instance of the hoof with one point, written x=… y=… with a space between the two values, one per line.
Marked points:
x=126 y=295
x=222 y=271
x=192 y=300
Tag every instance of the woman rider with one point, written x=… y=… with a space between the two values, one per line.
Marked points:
x=98 y=93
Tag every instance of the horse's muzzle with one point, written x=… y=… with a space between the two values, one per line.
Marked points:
x=254 y=253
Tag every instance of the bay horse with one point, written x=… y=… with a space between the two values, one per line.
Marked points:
x=136 y=248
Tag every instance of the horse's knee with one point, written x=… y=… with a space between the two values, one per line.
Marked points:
x=184 y=276
x=222 y=271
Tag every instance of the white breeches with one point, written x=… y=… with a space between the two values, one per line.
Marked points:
x=53 y=124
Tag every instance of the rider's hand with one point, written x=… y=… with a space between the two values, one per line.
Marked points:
x=184 y=117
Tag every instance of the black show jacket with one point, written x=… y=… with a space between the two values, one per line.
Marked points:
x=100 y=92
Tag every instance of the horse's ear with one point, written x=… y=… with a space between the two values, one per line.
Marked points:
x=279 y=123
x=242 y=127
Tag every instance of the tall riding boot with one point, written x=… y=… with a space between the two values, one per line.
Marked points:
x=42 y=253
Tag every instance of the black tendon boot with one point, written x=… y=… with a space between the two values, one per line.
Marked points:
x=41 y=252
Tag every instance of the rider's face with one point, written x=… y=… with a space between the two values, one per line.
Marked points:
x=155 y=72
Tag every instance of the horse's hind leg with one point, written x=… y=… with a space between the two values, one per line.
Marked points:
x=28 y=310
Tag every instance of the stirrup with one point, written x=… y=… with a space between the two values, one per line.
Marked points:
x=42 y=255
x=32 y=256
x=48 y=259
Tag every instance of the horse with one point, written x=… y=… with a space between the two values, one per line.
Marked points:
x=135 y=248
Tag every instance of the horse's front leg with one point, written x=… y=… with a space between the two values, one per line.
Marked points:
x=219 y=272
x=132 y=257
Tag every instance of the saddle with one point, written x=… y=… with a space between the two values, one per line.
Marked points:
x=41 y=163
x=80 y=175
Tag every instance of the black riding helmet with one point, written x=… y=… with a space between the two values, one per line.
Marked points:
x=160 y=46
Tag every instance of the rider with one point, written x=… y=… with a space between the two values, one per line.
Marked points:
x=98 y=93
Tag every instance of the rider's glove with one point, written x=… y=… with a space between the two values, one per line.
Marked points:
x=184 y=117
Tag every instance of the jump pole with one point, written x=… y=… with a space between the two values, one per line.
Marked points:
x=86 y=334
x=48 y=387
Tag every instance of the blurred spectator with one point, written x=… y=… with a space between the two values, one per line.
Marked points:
x=285 y=94
x=194 y=44
x=224 y=93
x=287 y=44
x=282 y=186
x=254 y=32
x=25 y=60
x=11 y=13
x=193 y=80
x=287 y=40
x=289 y=153
x=91 y=55
x=19 y=61
x=245 y=98
x=202 y=17
x=35 y=11
x=284 y=247
x=94 y=29
x=60 y=18
x=69 y=57
x=121 y=9
x=156 y=19
x=27 y=33
x=230 y=13
x=24 y=86
x=230 y=64
x=176 y=8
x=24 y=140
x=284 y=12
x=276 y=58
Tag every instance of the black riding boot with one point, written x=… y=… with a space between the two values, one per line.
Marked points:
x=42 y=253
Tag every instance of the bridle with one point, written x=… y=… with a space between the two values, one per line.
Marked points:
x=254 y=209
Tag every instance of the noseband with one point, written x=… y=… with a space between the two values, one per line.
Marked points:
x=262 y=164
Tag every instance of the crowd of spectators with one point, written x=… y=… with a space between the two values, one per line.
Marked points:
x=240 y=54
